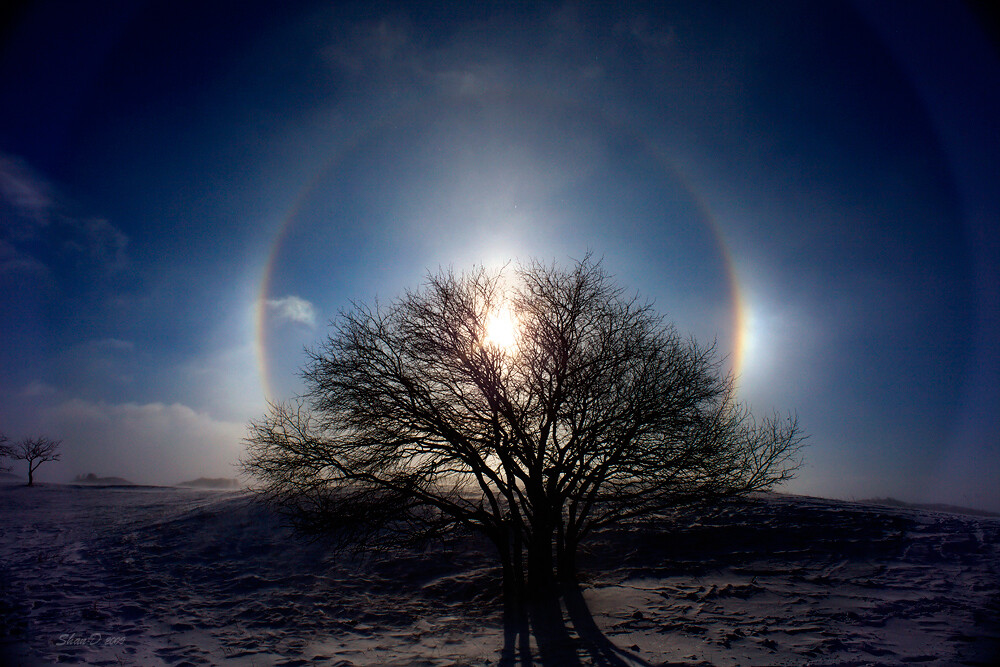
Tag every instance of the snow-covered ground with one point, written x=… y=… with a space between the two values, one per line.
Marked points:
x=162 y=576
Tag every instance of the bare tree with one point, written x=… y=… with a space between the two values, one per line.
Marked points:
x=35 y=451
x=533 y=405
x=5 y=452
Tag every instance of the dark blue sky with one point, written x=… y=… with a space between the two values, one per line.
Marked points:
x=190 y=191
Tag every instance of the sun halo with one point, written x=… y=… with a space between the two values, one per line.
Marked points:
x=501 y=329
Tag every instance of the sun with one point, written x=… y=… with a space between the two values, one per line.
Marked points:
x=501 y=329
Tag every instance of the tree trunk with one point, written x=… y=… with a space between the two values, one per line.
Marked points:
x=566 y=545
x=509 y=548
x=513 y=592
x=31 y=475
x=566 y=560
x=517 y=635
x=541 y=566
x=555 y=645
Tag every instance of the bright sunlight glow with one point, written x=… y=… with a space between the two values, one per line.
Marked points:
x=501 y=329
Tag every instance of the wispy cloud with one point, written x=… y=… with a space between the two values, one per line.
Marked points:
x=13 y=260
x=647 y=34
x=377 y=44
x=95 y=239
x=391 y=54
x=110 y=345
x=104 y=363
x=23 y=188
x=37 y=388
x=41 y=224
x=293 y=309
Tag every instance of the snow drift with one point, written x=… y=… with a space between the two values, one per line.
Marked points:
x=161 y=576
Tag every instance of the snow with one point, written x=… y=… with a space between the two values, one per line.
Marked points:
x=171 y=576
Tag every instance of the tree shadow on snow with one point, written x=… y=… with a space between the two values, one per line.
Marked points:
x=569 y=637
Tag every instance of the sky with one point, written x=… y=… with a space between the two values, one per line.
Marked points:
x=190 y=192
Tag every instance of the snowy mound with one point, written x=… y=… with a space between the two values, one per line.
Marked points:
x=93 y=480
x=158 y=576
x=213 y=483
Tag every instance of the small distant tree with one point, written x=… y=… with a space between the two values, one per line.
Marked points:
x=35 y=451
x=534 y=408
x=5 y=452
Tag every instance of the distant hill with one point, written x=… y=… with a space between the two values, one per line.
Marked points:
x=934 y=507
x=10 y=477
x=91 y=478
x=213 y=483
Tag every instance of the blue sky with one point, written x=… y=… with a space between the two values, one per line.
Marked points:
x=188 y=194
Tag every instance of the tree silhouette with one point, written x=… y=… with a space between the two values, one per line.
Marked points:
x=417 y=421
x=35 y=451
x=5 y=452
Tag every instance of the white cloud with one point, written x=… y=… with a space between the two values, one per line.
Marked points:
x=151 y=443
x=293 y=309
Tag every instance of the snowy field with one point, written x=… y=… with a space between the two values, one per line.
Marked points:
x=160 y=576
